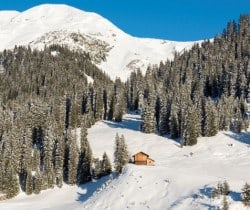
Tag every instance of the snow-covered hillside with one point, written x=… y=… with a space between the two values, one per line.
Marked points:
x=181 y=179
x=61 y=24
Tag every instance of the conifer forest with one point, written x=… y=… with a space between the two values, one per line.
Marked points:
x=47 y=104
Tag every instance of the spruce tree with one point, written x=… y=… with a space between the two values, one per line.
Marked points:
x=85 y=157
x=148 y=118
x=226 y=188
x=73 y=158
x=164 y=117
x=29 y=183
x=174 y=124
x=106 y=165
x=225 y=205
x=119 y=100
x=211 y=120
x=37 y=182
x=10 y=184
x=246 y=194
x=97 y=170
x=47 y=148
x=58 y=153
x=117 y=157
x=192 y=127
x=124 y=151
x=121 y=156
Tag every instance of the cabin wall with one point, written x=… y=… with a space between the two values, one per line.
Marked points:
x=140 y=157
x=150 y=162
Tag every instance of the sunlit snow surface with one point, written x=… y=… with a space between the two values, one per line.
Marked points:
x=178 y=181
x=58 y=22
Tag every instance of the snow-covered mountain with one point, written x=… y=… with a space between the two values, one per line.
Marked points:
x=182 y=178
x=114 y=51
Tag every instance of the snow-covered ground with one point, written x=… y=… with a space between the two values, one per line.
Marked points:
x=181 y=179
x=61 y=24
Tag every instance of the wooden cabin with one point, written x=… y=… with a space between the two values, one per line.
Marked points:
x=142 y=158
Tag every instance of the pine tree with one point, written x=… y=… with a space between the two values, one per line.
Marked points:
x=119 y=108
x=246 y=194
x=192 y=127
x=164 y=117
x=37 y=183
x=48 y=172
x=118 y=166
x=26 y=155
x=225 y=205
x=106 y=165
x=148 y=118
x=10 y=185
x=1 y=170
x=226 y=188
x=97 y=170
x=14 y=184
x=58 y=153
x=73 y=158
x=29 y=183
x=211 y=122
x=237 y=124
x=85 y=158
x=124 y=151
x=121 y=156
x=174 y=124
x=111 y=107
x=35 y=165
x=119 y=101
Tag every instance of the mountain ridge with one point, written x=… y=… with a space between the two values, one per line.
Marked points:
x=126 y=53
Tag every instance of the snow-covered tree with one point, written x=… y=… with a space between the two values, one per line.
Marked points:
x=246 y=194
x=85 y=157
x=106 y=165
x=29 y=183
x=73 y=158
x=121 y=156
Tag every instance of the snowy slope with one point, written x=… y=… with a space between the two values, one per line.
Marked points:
x=179 y=181
x=61 y=24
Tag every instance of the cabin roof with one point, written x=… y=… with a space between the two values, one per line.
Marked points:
x=141 y=153
x=151 y=159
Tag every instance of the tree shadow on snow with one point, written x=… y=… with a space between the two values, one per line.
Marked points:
x=209 y=206
x=91 y=188
x=206 y=191
x=241 y=137
x=134 y=123
x=236 y=196
x=130 y=123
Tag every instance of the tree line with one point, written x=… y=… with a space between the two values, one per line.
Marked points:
x=46 y=103
x=199 y=92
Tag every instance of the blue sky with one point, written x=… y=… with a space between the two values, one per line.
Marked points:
x=180 y=20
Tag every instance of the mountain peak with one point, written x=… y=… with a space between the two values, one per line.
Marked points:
x=55 y=10
x=61 y=24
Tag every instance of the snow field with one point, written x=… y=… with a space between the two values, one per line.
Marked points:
x=182 y=178
x=127 y=53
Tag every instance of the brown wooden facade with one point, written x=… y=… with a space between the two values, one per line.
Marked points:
x=142 y=158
